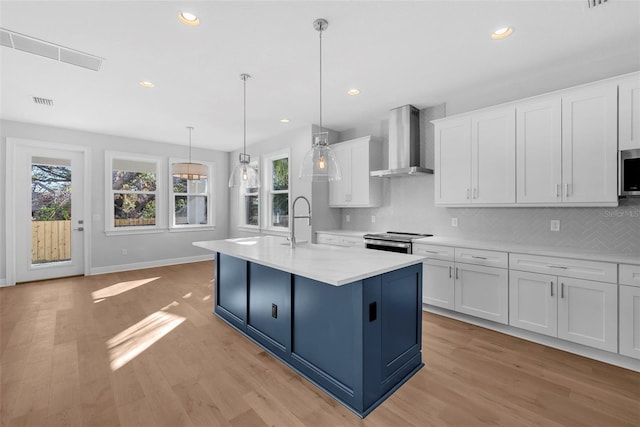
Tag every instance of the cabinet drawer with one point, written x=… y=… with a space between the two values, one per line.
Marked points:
x=328 y=239
x=482 y=257
x=629 y=275
x=566 y=267
x=351 y=241
x=434 y=251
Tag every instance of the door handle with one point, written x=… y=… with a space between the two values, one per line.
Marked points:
x=79 y=229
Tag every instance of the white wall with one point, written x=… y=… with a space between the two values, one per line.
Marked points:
x=298 y=140
x=143 y=249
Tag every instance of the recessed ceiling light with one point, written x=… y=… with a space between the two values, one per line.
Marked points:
x=353 y=92
x=147 y=84
x=285 y=121
x=188 y=18
x=501 y=33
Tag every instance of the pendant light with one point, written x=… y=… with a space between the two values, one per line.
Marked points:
x=190 y=171
x=243 y=174
x=320 y=162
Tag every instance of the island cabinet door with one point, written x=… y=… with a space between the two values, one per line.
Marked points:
x=326 y=337
x=231 y=289
x=269 y=317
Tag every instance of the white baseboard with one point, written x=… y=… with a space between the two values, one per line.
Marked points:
x=3 y=282
x=149 y=264
x=581 y=350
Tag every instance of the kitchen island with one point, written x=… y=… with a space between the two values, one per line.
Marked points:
x=347 y=319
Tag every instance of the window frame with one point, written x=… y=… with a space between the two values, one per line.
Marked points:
x=110 y=228
x=242 y=194
x=210 y=194
x=268 y=192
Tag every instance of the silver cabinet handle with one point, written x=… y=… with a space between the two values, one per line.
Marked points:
x=478 y=257
x=561 y=290
x=475 y=193
x=456 y=273
x=567 y=190
x=557 y=190
x=564 y=267
x=449 y=272
x=468 y=193
x=551 y=283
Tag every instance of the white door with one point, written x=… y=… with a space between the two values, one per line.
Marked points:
x=533 y=302
x=49 y=213
x=630 y=321
x=539 y=151
x=493 y=155
x=453 y=161
x=588 y=313
x=437 y=283
x=590 y=144
x=482 y=292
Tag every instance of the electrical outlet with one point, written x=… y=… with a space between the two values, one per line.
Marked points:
x=555 y=225
x=348 y=218
x=124 y=252
x=454 y=222
x=373 y=219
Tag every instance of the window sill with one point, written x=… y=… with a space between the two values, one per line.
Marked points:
x=192 y=228
x=129 y=231
x=250 y=229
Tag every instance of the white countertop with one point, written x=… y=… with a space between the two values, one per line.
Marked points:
x=334 y=265
x=555 y=251
x=350 y=233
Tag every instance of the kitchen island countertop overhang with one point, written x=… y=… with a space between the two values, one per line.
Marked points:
x=329 y=264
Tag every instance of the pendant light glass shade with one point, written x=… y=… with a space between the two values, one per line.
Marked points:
x=190 y=171
x=320 y=163
x=243 y=174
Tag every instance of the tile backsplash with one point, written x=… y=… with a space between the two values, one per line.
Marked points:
x=408 y=206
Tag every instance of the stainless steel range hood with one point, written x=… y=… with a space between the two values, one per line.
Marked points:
x=404 y=144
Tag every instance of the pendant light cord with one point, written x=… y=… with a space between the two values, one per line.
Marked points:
x=244 y=114
x=321 y=29
x=190 y=129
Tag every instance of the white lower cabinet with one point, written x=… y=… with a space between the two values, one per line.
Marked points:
x=438 y=283
x=482 y=292
x=630 y=310
x=574 y=309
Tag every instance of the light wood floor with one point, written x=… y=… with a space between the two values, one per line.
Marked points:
x=60 y=340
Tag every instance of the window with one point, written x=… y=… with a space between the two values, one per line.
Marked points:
x=133 y=194
x=191 y=200
x=277 y=189
x=250 y=204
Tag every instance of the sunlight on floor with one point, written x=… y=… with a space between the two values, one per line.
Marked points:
x=119 y=288
x=129 y=343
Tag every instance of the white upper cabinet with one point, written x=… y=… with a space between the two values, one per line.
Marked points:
x=589 y=144
x=475 y=159
x=453 y=161
x=539 y=151
x=357 y=158
x=629 y=113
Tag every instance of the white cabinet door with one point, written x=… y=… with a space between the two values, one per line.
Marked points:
x=482 y=292
x=629 y=113
x=493 y=155
x=588 y=313
x=589 y=144
x=438 y=283
x=539 y=151
x=630 y=321
x=453 y=161
x=533 y=302
x=339 y=191
x=360 y=178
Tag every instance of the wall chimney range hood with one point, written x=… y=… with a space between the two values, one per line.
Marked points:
x=404 y=144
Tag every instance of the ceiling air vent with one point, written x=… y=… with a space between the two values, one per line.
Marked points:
x=49 y=50
x=594 y=3
x=43 y=101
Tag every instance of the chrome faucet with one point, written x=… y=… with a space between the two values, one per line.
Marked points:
x=292 y=239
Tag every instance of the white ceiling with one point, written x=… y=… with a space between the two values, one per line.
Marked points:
x=396 y=52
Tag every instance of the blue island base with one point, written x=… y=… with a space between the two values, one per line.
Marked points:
x=358 y=342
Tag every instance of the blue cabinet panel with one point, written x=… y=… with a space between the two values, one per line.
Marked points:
x=401 y=317
x=269 y=306
x=327 y=321
x=231 y=286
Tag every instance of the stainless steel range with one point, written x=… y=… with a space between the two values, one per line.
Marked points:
x=392 y=241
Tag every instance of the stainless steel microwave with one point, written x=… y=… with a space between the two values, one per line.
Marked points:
x=630 y=172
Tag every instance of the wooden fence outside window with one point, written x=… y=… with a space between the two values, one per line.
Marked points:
x=50 y=241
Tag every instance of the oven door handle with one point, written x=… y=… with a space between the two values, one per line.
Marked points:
x=387 y=243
